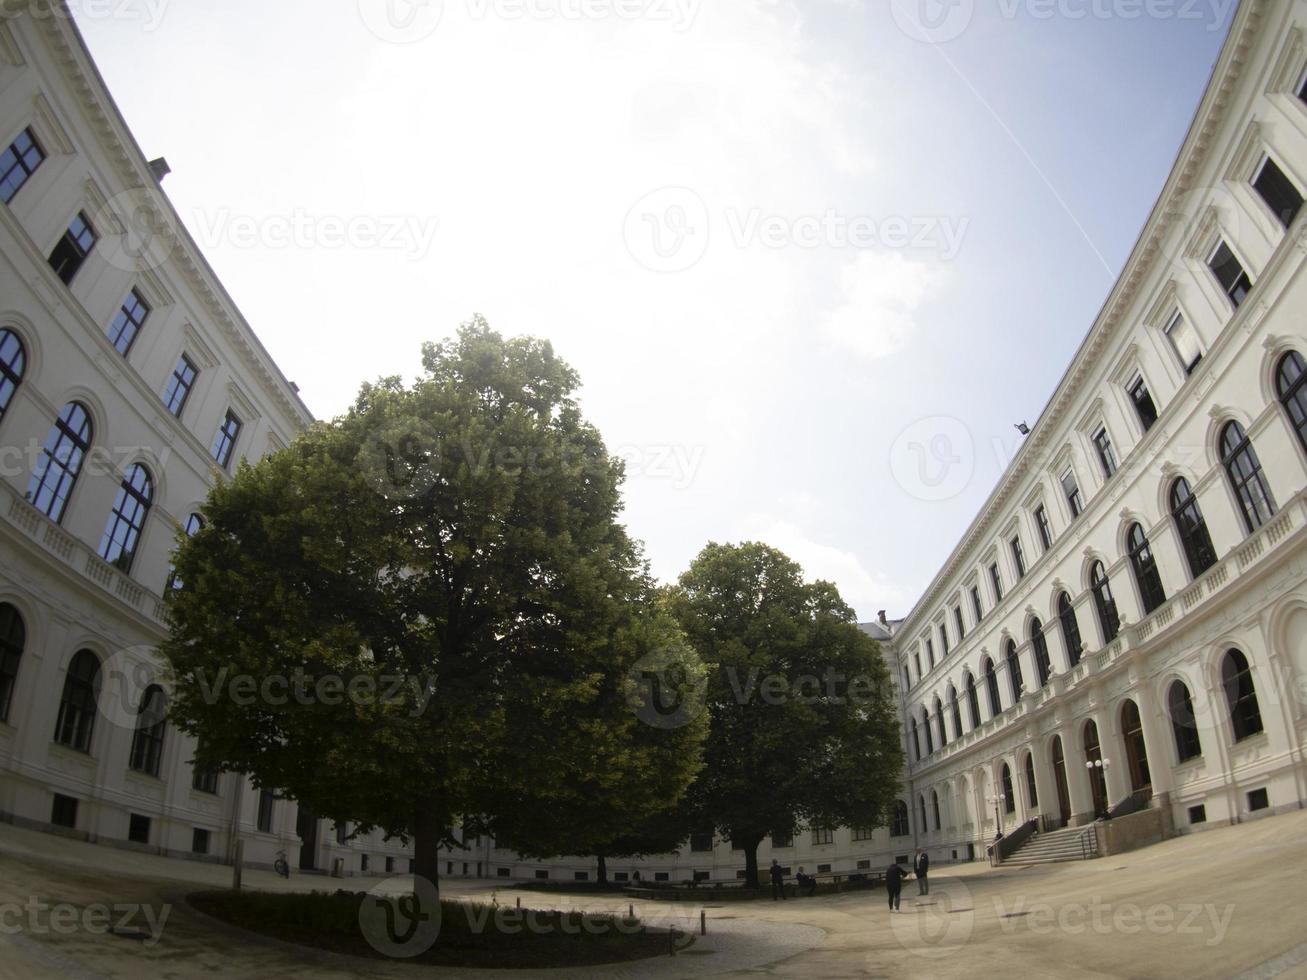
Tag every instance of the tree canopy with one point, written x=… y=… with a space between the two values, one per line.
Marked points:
x=428 y=609
x=802 y=722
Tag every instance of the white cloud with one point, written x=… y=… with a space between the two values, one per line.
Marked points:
x=882 y=292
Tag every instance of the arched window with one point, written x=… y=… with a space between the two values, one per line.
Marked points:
x=939 y=721
x=1290 y=385
x=193 y=524
x=60 y=461
x=13 y=638
x=1014 y=671
x=991 y=685
x=1192 y=528
x=1009 y=796
x=934 y=799
x=77 y=707
x=1066 y=614
x=1245 y=717
x=122 y=532
x=1244 y=470
x=916 y=740
x=1031 y=791
x=899 y=826
x=147 y=741
x=973 y=701
x=922 y=800
x=1108 y=620
x=956 y=711
x=1145 y=569
x=13 y=361
x=1136 y=749
x=925 y=724
x=1040 y=646
x=1183 y=723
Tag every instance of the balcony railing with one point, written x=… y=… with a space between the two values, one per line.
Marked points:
x=1261 y=548
x=80 y=560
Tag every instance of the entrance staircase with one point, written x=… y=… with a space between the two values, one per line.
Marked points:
x=1068 y=844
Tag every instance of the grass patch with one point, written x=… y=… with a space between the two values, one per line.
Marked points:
x=475 y=935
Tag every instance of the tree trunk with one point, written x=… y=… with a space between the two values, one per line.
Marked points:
x=603 y=869
x=427 y=832
x=751 y=842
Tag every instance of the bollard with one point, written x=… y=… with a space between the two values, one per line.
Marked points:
x=703 y=923
x=630 y=911
x=237 y=865
x=519 y=902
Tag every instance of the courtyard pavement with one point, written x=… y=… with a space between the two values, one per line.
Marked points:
x=1231 y=902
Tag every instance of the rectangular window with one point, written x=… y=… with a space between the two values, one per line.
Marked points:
x=1258 y=800
x=127 y=324
x=930 y=654
x=698 y=875
x=138 y=829
x=541 y=875
x=73 y=248
x=1302 y=88
x=823 y=835
x=224 y=441
x=1045 y=529
x=658 y=876
x=390 y=865
x=1072 y=490
x=617 y=875
x=862 y=833
x=864 y=865
x=975 y=603
x=1278 y=191
x=1184 y=340
x=342 y=833
x=1106 y=454
x=267 y=800
x=18 y=162
x=1198 y=814
x=180 y=385
x=1143 y=402
x=997 y=581
x=63 y=811
x=1018 y=557
x=204 y=781
x=702 y=841
x=916 y=659
x=199 y=841
x=943 y=639
x=823 y=869
x=782 y=840
x=958 y=624
x=364 y=862
x=1229 y=273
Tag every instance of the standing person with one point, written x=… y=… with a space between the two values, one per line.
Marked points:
x=894 y=876
x=777 y=880
x=921 y=866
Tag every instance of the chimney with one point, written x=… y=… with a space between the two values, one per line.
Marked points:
x=881 y=616
x=159 y=167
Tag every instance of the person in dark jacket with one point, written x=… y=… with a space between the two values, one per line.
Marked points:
x=921 y=866
x=777 y=880
x=894 y=876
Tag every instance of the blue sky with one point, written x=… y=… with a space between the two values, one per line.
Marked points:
x=789 y=248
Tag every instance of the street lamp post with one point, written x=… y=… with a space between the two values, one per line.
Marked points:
x=1102 y=766
x=997 y=802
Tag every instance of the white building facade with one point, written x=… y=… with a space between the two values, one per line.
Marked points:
x=129 y=383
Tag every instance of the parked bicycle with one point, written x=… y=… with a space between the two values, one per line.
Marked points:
x=281 y=865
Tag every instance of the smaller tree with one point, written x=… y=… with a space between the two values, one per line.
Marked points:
x=801 y=716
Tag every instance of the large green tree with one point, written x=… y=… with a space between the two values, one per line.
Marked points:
x=802 y=723
x=427 y=608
